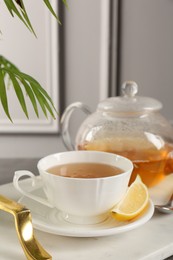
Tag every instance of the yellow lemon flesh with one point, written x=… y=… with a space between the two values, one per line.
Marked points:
x=133 y=203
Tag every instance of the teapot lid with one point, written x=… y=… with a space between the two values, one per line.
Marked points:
x=129 y=102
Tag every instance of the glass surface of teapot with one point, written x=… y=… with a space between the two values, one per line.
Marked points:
x=128 y=125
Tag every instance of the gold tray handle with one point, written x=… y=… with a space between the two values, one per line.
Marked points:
x=23 y=223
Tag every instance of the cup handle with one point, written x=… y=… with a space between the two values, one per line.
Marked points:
x=18 y=175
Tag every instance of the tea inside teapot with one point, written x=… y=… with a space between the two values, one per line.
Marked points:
x=128 y=125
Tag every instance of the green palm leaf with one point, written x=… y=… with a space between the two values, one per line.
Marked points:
x=19 y=93
x=42 y=100
x=51 y=9
x=31 y=96
x=17 y=7
x=3 y=95
x=36 y=83
x=20 y=12
x=20 y=81
x=25 y=15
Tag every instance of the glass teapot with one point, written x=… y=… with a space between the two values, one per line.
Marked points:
x=128 y=125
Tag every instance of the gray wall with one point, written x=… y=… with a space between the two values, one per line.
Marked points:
x=147 y=49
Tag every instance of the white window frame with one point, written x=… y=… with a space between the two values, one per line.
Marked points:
x=51 y=59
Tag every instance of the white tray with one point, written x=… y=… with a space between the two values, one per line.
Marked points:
x=152 y=241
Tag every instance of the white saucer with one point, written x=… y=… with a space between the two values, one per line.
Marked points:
x=50 y=220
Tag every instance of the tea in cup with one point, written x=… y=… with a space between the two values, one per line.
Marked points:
x=83 y=185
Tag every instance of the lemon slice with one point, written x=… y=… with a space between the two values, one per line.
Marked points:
x=133 y=203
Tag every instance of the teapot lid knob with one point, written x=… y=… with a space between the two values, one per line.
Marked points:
x=129 y=88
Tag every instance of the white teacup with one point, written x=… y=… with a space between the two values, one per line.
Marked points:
x=81 y=200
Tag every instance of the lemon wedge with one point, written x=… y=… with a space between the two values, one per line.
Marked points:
x=133 y=203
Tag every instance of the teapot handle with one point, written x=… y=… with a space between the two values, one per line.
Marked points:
x=65 y=119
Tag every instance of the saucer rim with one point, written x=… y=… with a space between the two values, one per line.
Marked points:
x=92 y=232
x=102 y=232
